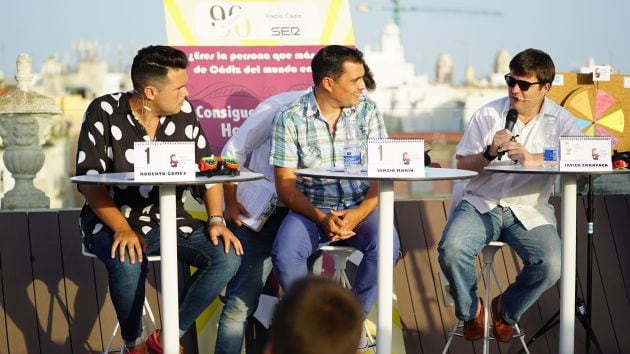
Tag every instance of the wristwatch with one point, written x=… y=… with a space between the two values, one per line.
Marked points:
x=486 y=154
x=216 y=218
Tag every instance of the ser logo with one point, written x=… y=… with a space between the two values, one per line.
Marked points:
x=228 y=18
x=285 y=31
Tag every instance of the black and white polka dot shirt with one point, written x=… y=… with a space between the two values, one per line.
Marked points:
x=105 y=145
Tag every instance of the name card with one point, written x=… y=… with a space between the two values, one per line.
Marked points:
x=164 y=161
x=584 y=153
x=395 y=158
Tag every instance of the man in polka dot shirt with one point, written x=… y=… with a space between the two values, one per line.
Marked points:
x=120 y=224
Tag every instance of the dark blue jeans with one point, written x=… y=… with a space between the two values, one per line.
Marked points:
x=126 y=281
x=299 y=237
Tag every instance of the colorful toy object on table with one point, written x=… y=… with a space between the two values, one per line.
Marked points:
x=214 y=166
x=621 y=159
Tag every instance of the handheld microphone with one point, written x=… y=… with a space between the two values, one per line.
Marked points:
x=510 y=120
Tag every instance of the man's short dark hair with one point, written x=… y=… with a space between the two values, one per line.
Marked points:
x=328 y=62
x=150 y=66
x=534 y=62
x=368 y=78
x=316 y=315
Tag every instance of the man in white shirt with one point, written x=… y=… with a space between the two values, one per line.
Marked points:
x=243 y=291
x=513 y=208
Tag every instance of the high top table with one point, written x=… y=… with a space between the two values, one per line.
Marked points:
x=385 y=233
x=168 y=238
x=568 y=213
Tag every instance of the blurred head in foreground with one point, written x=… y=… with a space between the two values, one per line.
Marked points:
x=316 y=315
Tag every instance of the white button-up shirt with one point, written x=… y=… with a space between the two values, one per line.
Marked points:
x=527 y=195
x=254 y=135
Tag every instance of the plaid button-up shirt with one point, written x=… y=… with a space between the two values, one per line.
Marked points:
x=301 y=138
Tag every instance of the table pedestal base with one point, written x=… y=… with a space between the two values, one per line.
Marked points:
x=168 y=250
x=567 y=281
x=385 y=266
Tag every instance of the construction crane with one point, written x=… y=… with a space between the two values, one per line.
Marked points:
x=397 y=8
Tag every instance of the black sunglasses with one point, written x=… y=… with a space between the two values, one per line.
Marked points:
x=523 y=85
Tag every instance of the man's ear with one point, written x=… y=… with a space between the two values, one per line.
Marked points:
x=327 y=83
x=150 y=92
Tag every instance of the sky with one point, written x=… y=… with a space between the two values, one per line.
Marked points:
x=571 y=31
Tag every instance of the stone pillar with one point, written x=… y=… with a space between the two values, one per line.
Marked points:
x=25 y=120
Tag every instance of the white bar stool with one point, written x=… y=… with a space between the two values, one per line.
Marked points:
x=148 y=319
x=340 y=256
x=487 y=254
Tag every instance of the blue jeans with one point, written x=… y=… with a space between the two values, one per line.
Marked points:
x=126 y=280
x=299 y=237
x=468 y=231
x=243 y=291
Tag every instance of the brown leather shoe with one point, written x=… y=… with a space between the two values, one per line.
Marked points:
x=502 y=330
x=473 y=329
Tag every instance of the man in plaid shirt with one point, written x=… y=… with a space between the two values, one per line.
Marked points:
x=310 y=132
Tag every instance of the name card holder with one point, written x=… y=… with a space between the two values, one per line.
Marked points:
x=585 y=153
x=395 y=158
x=164 y=161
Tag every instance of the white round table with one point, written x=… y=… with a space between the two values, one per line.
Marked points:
x=568 y=215
x=168 y=238
x=385 y=232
